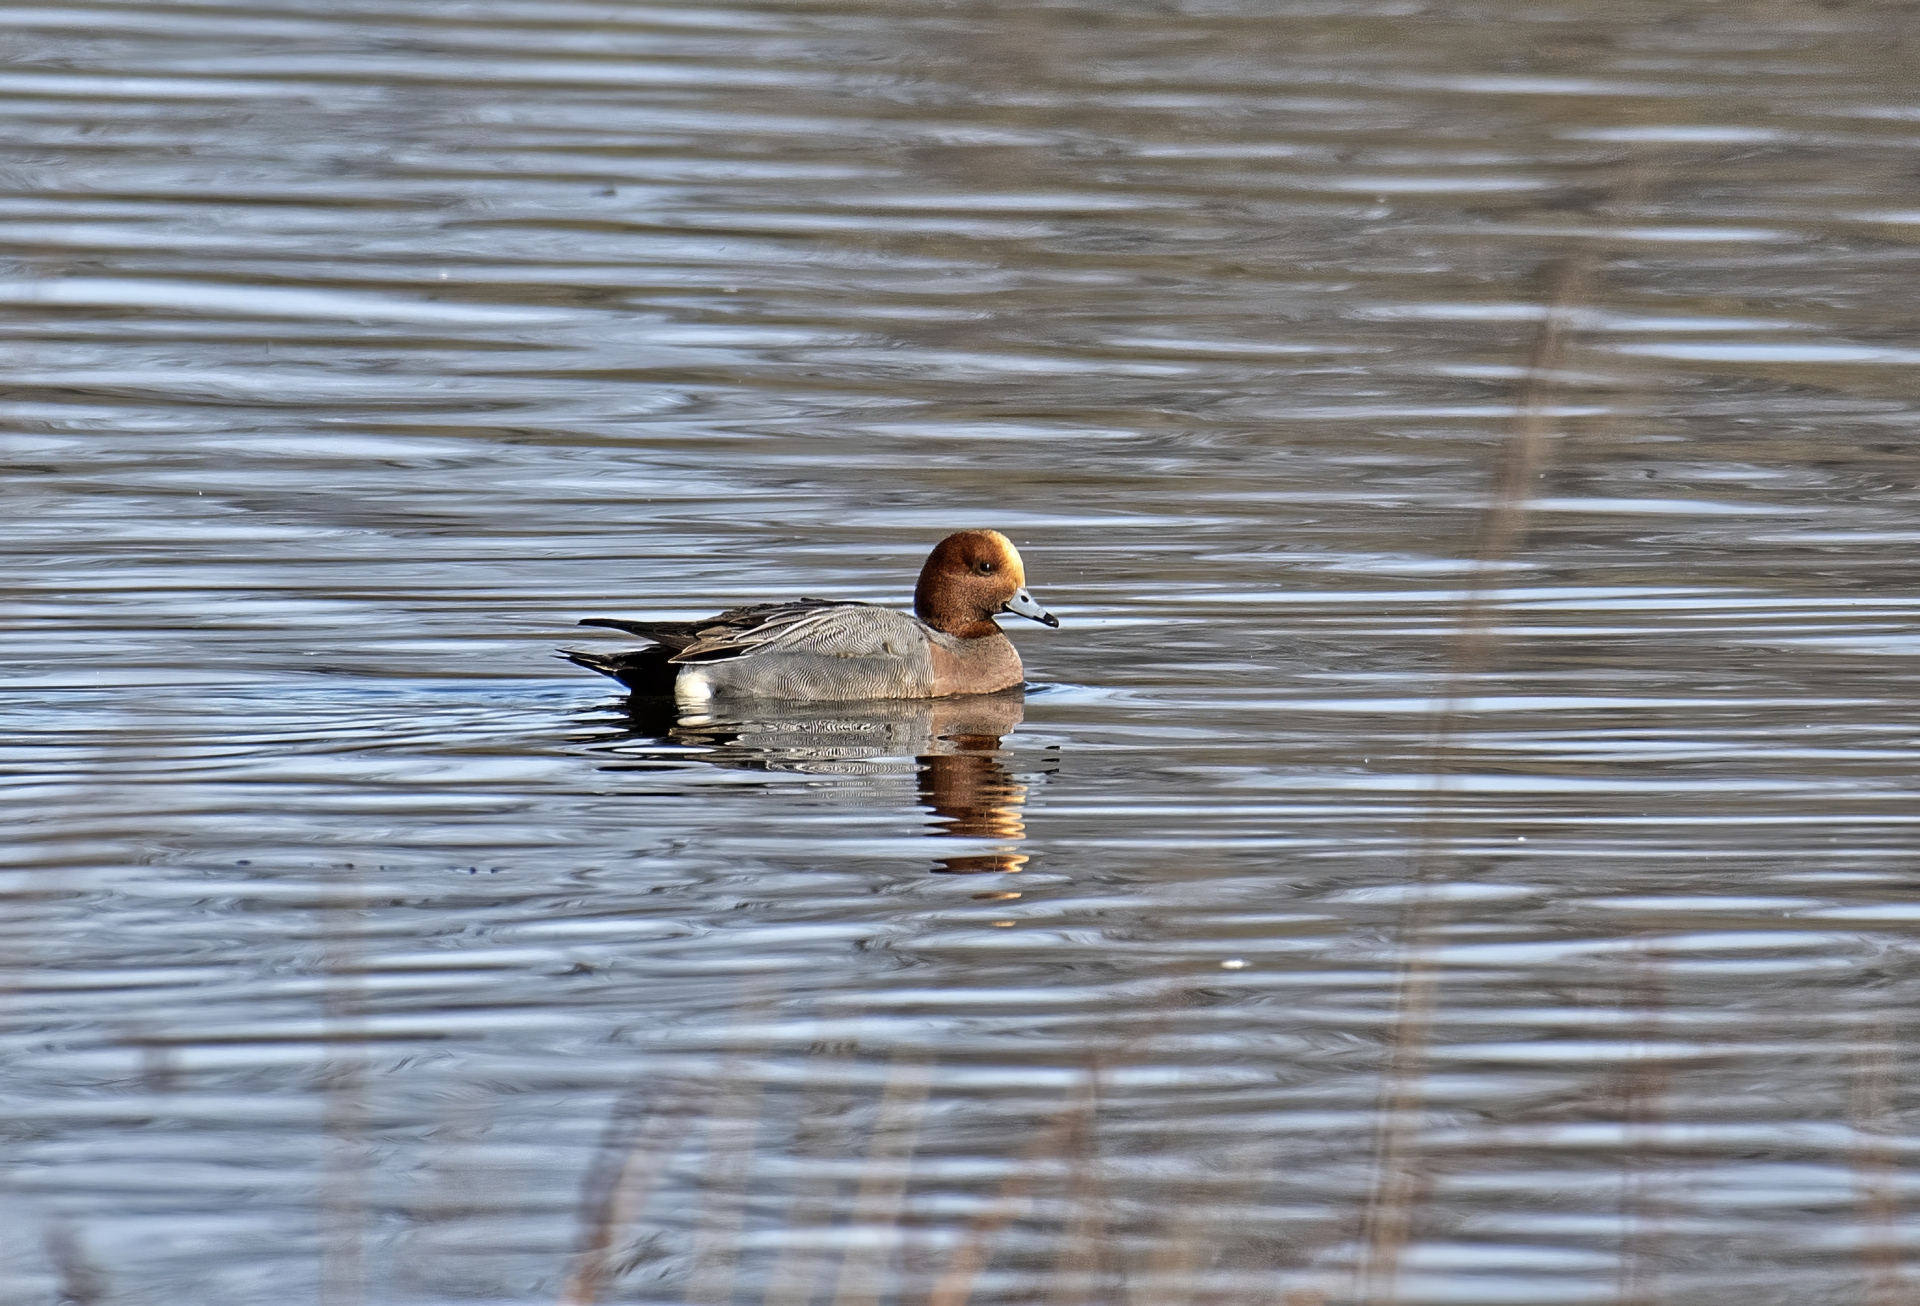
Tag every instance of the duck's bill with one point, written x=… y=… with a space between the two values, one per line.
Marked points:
x=1023 y=605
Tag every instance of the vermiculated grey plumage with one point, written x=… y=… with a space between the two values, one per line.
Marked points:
x=826 y=650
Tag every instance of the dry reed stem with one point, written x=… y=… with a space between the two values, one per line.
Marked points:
x=343 y=1196
x=1240 y=1190
x=1174 y=1259
x=955 y=1285
x=1876 y=1179
x=1400 y=1182
x=1179 y=1250
x=633 y=1156
x=443 y=1197
x=1645 y=1090
x=1079 y=1258
x=883 y=1180
x=1074 y=1124
x=81 y=1282
x=1176 y=1252
x=798 y=1270
x=733 y=1126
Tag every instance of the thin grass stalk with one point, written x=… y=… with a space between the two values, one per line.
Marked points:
x=733 y=1127
x=798 y=1271
x=1645 y=1091
x=883 y=1179
x=1399 y=1183
x=1239 y=1190
x=1176 y=1255
x=445 y=1194
x=1875 y=1174
x=918 y=1255
x=1177 y=1252
x=1181 y=1248
x=969 y=1257
x=635 y=1151
x=81 y=1282
x=1077 y=1265
x=345 y=1168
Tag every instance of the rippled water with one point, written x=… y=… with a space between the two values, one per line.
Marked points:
x=1457 y=849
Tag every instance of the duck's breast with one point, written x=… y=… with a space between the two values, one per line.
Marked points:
x=974 y=666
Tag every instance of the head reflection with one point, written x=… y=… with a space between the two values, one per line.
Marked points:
x=954 y=745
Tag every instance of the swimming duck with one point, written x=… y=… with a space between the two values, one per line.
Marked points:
x=823 y=650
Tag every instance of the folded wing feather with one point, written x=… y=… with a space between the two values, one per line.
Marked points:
x=818 y=626
x=847 y=630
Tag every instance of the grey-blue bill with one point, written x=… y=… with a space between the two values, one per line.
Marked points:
x=1023 y=605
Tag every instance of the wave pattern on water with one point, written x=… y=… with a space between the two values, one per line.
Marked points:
x=1458 y=848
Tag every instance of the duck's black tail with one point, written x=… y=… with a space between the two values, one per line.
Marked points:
x=642 y=670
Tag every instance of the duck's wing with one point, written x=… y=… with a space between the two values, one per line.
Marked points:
x=679 y=635
x=845 y=630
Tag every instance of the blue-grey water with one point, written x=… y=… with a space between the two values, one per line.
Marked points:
x=1458 y=849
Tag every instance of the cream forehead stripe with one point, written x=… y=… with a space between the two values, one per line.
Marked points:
x=1013 y=556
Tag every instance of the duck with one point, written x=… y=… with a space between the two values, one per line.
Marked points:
x=827 y=650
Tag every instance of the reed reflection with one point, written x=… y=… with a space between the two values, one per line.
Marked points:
x=952 y=747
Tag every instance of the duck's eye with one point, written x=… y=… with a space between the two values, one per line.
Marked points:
x=984 y=568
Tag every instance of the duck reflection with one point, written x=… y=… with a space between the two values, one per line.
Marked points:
x=972 y=795
x=961 y=775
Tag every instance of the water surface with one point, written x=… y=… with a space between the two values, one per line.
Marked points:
x=1457 y=849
